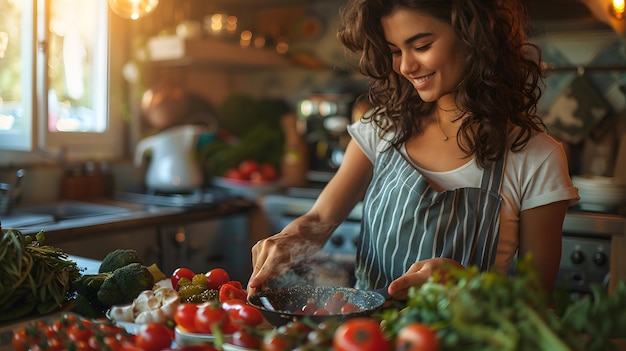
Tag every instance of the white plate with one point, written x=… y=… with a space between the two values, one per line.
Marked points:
x=231 y=347
x=183 y=337
x=132 y=328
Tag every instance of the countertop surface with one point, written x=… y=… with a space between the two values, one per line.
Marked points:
x=116 y=215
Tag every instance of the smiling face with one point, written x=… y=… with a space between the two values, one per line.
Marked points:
x=425 y=51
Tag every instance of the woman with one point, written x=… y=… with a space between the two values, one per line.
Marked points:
x=453 y=165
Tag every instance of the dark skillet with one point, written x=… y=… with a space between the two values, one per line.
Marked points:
x=287 y=301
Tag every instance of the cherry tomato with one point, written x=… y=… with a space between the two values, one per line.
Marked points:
x=257 y=177
x=77 y=333
x=349 y=308
x=360 y=334
x=243 y=338
x=209 y=316
x=234 y=174
x=417 y=337
x=216 y=277
x=185 y=316
x=247 y=167
x=235 y=283
x=203 y=347
x=268 y=171
x=21 y=340
x=241 y=313
x=230 y=292
x=55 y=344
x=321 y=312
x=153 y=337
x=275 y=342
x=310 y=308
x=181 y=272
x=334 y=304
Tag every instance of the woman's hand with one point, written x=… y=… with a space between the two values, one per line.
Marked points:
x=418 y=274
x=277 y=254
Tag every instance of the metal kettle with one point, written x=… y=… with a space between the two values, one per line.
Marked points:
x=173 y=165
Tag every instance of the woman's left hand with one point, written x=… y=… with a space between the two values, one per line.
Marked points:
x=418 y=274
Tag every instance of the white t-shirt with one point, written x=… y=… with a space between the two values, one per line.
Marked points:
x=536 y=176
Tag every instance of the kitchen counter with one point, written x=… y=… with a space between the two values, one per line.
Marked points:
x=135 y=216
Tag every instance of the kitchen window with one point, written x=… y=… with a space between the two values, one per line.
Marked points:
x=54 y=76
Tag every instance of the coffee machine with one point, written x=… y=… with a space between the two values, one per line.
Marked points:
x=323 y=122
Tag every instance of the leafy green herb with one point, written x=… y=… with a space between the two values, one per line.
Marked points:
x=488 y=311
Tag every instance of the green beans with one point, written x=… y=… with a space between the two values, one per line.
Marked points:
x=33 y=275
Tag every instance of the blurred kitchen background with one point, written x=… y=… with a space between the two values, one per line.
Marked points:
x=122 y=91
x=83 y=88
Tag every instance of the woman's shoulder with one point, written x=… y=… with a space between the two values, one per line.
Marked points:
x=539 y=148
x=539 y=141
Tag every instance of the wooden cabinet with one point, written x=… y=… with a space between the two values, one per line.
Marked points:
x=204 y=245
x=97 y=245
x=199 y=245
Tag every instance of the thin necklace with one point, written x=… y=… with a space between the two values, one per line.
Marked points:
x=445 y=136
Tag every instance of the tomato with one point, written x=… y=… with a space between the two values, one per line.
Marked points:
x=209 y=316
x=55 y=344
x=275 y=342
x=363 y=334
x=153 y=337
x=236 y=284
x=257 y=177
x=247 y=167
x=77 y=333
x=417 y=337
x=203 y=347
x=241 y=313
x=216 y=277
x=349 y=308
x=321 y=312
x=234 y=174
x=268 y=171
x=185 y=316
x=243 y=338
x=334 y=304
x=310 y=308
x=21 y=340
x=83 y=346
x=230 y=292
x=181 y=272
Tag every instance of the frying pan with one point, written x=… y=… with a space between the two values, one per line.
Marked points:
x=286 y=301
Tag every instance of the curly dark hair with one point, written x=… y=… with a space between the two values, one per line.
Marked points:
x=501 y=84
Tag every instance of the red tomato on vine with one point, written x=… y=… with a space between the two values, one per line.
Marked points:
x=417 y=337
x=362 y=334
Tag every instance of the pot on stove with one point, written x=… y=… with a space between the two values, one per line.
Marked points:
x=173 y=165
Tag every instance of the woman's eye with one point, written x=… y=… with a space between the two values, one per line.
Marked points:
x=395 y=52
x=423 y=48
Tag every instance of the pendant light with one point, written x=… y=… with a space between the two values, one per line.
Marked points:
x=133 y=9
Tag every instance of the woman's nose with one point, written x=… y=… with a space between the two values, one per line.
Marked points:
x=408 y=64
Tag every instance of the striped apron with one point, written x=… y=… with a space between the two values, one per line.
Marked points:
x=405 y=221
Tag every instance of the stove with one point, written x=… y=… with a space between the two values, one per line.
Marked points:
x=586 y=251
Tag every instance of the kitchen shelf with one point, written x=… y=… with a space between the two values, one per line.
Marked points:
x=177 y=51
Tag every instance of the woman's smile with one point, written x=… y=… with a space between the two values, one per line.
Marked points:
x=421 y=82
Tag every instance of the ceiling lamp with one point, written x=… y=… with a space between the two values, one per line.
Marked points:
x=617 y=9
x=610 y=12
x=133 y=9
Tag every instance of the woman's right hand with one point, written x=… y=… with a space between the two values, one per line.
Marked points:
x=276 y=255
